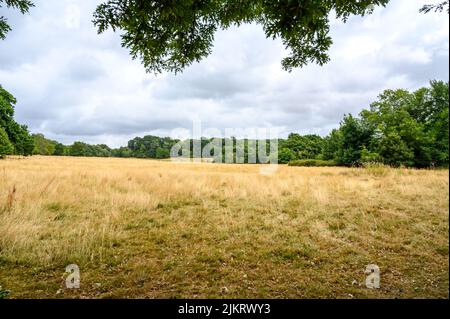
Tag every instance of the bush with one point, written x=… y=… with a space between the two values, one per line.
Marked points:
x=313 y=163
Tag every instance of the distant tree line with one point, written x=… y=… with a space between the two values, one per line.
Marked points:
x=401 y=128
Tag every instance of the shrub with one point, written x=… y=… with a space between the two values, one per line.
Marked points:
x=313 y=163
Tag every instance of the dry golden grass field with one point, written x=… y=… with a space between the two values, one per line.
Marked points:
x=156 y=229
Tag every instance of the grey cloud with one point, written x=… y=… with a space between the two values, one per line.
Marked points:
x=83 y=68
x=438 y=68
x=206 y=86
x=95 y=127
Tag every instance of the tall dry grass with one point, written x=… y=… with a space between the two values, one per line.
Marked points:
x=141 y=228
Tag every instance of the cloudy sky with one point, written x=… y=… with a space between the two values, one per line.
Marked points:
x=72 y=84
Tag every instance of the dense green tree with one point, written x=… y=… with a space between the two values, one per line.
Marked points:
x=312 y=147
x=87 y=150
x=43 y=146
x=7 y=102
x=171 y=35
x=78 y=149
x=6 y=147
x=20 y=137
x=332 y=145
x=60 y=150
x=304 y=147
x=286 y=155
x=397 y=136
x=162 y=153
x=22 y=5
x=417 y=121
x=354 y=137
x=399 y=129
x=18 y=134
x=394 y=150
x=370 y=156
x=433 y=109
x=151 y=147
x=121 y=152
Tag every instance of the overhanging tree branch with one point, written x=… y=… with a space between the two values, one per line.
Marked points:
x=22 y=5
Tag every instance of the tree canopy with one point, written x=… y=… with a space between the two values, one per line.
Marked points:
x=12 y=133
x=401 y=128
x=171 y=35
x=22 y=5
x=6 y=148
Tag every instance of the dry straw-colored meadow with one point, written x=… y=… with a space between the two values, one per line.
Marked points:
x=156 y=229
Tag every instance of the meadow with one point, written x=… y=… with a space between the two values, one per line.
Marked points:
x=158 y=229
